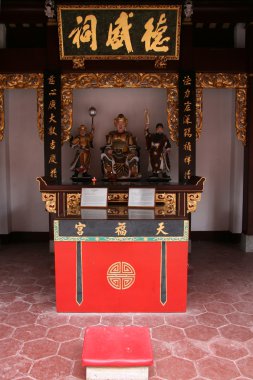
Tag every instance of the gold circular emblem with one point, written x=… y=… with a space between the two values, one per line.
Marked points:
x=121 y=275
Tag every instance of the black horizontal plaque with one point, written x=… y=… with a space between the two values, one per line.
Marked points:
x=111 y=32
x=122 y=230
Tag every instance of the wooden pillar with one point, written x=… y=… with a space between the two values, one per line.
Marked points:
x=248 y=157
x=186 y=50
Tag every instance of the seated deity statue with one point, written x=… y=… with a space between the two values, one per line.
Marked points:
x=120 y=155
x=158 y=146
x=83 y=144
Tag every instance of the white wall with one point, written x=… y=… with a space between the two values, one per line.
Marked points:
x=24 y=156
x=109 y=103
x=220 y=160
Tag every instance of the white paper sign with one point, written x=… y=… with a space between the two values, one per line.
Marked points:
x=94 y=197
x=139 y=197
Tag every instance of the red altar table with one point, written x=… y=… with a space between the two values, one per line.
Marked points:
x=121 y=265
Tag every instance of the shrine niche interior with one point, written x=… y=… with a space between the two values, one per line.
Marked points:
x=216 y=45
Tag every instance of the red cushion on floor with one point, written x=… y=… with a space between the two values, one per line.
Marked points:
x=117 y=346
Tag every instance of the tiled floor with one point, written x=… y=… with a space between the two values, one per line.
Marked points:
x=212 y=340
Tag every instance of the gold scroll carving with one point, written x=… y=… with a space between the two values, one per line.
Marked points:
x=161 y=62
x=121 y=211
x=192 y=201
x=241 y=114
x=78 y=63
x=31 y=81
x=118 y=197
x=169 y=204
x=224 y=80
x=50 y=200
x=172 y=111
x=73 y=203
x=1 y=115
x=40 y=112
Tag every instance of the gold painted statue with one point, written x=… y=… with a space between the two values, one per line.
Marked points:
x=158 y=146
x=120 y=155
x=83 y=142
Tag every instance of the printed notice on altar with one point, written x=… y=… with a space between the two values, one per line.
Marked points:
x=94 y=197
x=139 y=197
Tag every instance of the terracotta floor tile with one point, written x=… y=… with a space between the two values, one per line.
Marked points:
x=84 y=320
x=8 y=288
x=39 y=348
x=51 y=368
x=245 y=365
x=195 y=309
x=180 y=320
x=5 y=331
x=43 y=307
x=48 y=280
x=173 y=368
x=241 y=319
x=219 y=307
x=217 y=369
x=116 y=319
x=29 y=289
x=249 y=346
x=52 y=319
x=9 y=297
x=160 y=349
x=16 y=307
x=210 y=288
x=229 y=349
x=244 y=306
x=189 y=349
x=29 y=332
x=148 y=320
x=23 y=281
x=228 y=297
x=201 y=332
x=9 y=347
x=167 y=333
x=71 y=349
x=78 y=370
x=64 y=333
x=20 y=319
x=14 y=367
x=247 y=296
x=211 y=319
x=200 y=297
x=238 y=333
x=38 y=298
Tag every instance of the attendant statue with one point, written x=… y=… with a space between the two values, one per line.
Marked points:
x=158 y=146
x=83 y=143
x=120 y=155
